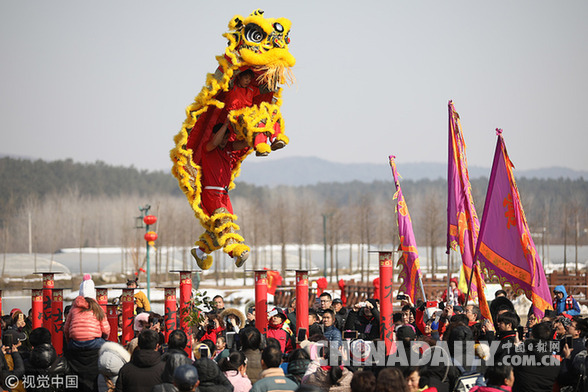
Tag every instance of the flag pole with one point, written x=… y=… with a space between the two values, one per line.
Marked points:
x=470 y=283
x=423 y=289
x=448 y=273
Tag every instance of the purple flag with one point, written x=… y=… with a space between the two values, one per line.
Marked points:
x=505 y=248
x=410 y=267
x=462 y=220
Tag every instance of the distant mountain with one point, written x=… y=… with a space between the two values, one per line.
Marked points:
x=298 y=171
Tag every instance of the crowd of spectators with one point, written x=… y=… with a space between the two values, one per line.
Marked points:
x=226 y=352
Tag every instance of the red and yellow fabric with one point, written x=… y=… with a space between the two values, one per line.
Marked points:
x=270 y=60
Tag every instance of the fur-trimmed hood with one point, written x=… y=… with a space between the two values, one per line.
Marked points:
x=234 y=312
x=111 y=357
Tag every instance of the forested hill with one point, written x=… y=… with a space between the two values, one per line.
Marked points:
x=93 y=204
x=22 y=177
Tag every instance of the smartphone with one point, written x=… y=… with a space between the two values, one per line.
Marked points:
x=521 y=332
x=401 y=297
x=203 y=352
x=230 y=339
x=351 y=335
x=7 y=341
x=570 y=342
x=301 y=334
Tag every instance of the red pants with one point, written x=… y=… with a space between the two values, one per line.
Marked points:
x=213 y=199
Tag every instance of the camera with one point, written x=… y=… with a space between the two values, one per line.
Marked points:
x=401 y=297
x=362 y=304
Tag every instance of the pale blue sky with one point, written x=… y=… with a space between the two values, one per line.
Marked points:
x=109 y=80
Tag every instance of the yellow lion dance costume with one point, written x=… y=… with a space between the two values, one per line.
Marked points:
x=260 y=46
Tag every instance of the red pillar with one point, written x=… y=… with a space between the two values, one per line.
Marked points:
x=128 y=315
x=48 y=285
x=185 y=294
x=57 y=331
x=37 y=307
x=302 y=301
x=102 y=297
x=112 y=317
x=171 y=311
x=386 y=312
x=261 y=301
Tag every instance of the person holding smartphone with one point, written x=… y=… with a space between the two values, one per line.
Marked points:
x=10 y=348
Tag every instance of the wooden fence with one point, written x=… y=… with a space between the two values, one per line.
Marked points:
x=575 y=284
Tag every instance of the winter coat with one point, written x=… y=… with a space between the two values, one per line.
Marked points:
x=368 y=328
x=142 y=373
x=5 y=371
x=437 y=374
x=253 y=364
x=283 y=334
x=211 y=334
x=297 y=369
x=340 y=318
x=82 y=325
x=173 y=359
x=240 y=382
x=43 y=361
x=321 y=379
x=111 y=358
x=502 y=388
x=84 y=363
x=273 y=379
x=210 y=376
x=537 y=377
x=142 y=302
x=567 y=304
x=332 y=334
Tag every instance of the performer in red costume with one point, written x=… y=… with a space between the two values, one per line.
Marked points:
x=245 y=94
x=216 y=165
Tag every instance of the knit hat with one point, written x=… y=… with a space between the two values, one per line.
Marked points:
x=87 y=287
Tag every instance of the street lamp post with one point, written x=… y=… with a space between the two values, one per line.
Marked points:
x=150 y=237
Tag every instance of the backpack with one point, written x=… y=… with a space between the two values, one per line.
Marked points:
x=468 y=379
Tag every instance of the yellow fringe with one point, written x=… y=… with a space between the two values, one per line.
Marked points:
x=276 y=66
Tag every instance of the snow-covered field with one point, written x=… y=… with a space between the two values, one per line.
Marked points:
x=236 y=291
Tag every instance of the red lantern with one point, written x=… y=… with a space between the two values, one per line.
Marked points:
x=150 y=236
x=150 y=219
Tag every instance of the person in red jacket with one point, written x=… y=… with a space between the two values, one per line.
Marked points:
x=86 y=325
x=456 y=297
x=278 y=329
x=210 y=328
